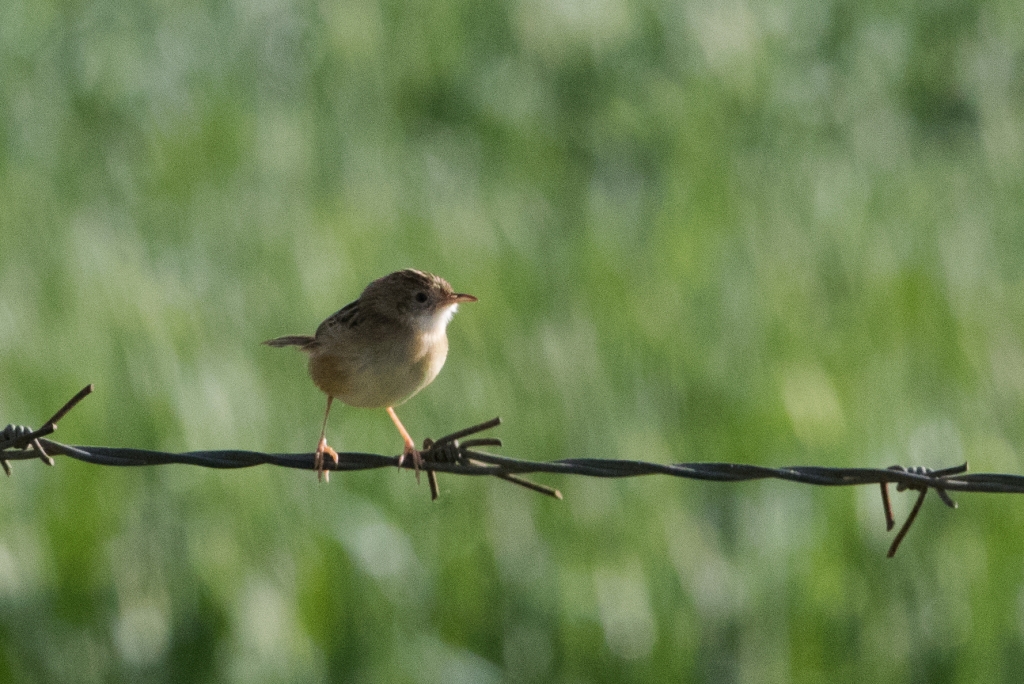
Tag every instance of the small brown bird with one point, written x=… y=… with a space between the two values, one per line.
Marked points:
x=381 y=349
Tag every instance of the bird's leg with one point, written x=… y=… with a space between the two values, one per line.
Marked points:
x=322 y=448
x=410 y=446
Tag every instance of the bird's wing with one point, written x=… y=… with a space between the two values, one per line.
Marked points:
x=348 y=317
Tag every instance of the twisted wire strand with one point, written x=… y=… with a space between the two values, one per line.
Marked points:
x=451 y=454
x=472 y=462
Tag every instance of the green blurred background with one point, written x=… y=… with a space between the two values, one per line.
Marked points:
x=775 y=233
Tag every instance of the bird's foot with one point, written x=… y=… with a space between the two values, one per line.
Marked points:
x=318 y=460
x=412 y=453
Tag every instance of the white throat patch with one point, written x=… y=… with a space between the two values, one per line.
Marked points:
x=435 y=326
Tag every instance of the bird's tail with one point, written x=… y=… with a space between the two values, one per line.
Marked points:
x=291 y=340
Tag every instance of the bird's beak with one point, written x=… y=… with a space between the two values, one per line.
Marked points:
x=459 y=298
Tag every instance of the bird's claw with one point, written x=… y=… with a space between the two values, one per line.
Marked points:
x=411 y=452
x=318 y=460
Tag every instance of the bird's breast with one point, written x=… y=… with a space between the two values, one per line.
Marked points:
x=378 y=374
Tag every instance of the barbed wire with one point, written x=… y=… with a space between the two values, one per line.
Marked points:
x=458 y=456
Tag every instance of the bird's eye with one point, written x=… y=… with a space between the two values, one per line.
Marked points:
x=421 y=297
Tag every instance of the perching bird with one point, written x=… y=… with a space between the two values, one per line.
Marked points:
x=381 y=349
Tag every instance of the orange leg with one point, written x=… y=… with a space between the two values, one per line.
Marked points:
x=322 y=448
x=410 y=446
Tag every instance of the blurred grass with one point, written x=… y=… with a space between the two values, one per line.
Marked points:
x=725 y=231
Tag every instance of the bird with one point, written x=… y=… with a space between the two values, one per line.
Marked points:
x=380 y=350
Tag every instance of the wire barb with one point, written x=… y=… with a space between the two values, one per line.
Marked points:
x=890 y=522
x=449 y=449
x=19 y=436
x=450 y=454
